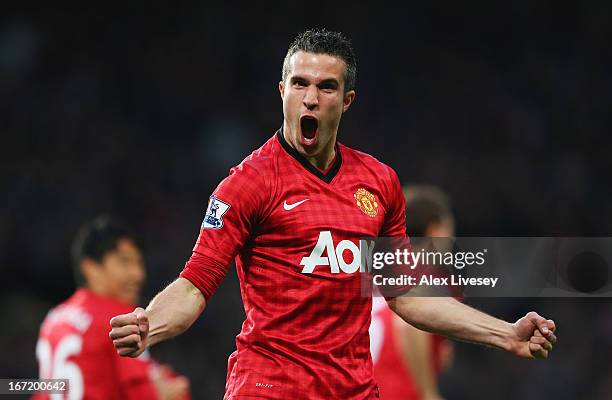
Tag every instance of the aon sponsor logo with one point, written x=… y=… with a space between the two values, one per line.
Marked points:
x=361 y=259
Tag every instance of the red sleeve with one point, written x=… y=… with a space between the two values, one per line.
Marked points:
x=395 y=217
x=232 y=213
x=134 y=376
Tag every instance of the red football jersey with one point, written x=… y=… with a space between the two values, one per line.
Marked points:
x=294 y=231
x=73 y=344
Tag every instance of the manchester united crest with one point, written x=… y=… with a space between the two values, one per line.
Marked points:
x=366 y=202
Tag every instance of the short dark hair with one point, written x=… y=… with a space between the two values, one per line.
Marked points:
x=94 y=240
x=425 y=205
x=322 y=41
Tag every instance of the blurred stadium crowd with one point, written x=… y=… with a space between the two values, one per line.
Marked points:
x=140 y=112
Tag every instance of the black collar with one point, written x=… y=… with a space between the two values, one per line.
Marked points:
x=327 y=178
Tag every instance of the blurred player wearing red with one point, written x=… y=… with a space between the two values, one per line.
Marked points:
x=291 y=214
x=73 y=342
x=407 y=361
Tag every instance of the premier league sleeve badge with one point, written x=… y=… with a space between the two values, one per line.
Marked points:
x=214 y=213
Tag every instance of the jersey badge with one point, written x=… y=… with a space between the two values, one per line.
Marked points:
x=214 y=213
x=366 y=202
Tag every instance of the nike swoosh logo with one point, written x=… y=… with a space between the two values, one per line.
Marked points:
x=292 y=206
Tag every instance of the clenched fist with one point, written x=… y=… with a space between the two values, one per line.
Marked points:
x=129 y=332
x=535 y=336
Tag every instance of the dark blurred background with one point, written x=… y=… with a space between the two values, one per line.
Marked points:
x=140 y=110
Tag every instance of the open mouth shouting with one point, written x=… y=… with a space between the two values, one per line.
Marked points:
x=309 y=127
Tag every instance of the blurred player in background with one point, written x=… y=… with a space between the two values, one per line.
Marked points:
x=289 y=214
x=73 y=342
x=407 y=360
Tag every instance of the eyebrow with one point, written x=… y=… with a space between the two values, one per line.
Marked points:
x=298 y=78
x=329 y=81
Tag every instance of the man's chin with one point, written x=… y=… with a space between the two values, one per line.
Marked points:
x=130 y=297
x=308 y=151
x=306 y=147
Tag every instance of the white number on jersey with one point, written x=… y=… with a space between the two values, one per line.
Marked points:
x=57 y=366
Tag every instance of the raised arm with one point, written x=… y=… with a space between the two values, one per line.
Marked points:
x=227 y=225
x=530 y=337
x=169 y=314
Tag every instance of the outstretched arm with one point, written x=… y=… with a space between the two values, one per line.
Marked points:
x=228 y=224
x=174 y=310
x=531 y=336
x=169 y=314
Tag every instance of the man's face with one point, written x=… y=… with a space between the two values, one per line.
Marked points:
x=313 y=102
x=442 y=229
x=121 y=273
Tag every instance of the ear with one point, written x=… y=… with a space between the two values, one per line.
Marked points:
x=90 y=269
x=349 y=97
x=281 y=89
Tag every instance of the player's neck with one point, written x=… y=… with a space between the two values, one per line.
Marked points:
x=101 y=291
x=324 y=160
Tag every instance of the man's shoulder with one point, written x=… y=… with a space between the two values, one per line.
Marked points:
x=260 y=161
x=67 y=317
x=360 y=159
x=84 y=309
